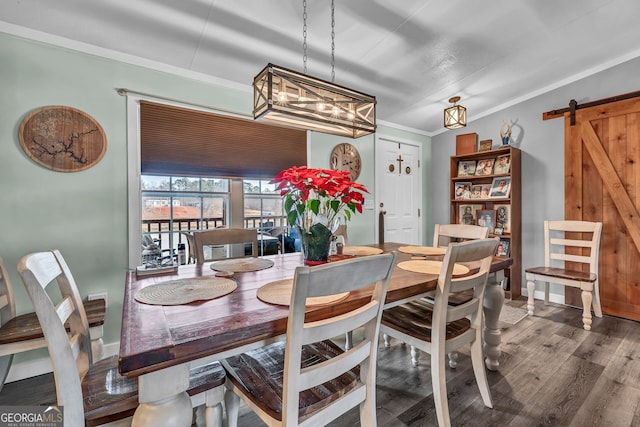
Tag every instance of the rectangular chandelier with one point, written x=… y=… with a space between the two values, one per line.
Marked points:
x=288 y=98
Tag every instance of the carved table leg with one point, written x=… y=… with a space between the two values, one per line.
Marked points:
x=163 y=398
x=493 y=301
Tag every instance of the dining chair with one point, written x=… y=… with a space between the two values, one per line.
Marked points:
x=93 y=393
x=226 y=236
x=438 y=327
x=308 y=379
x=571 y=251
x=443 y=234
x=23 y=332
x=342 y=231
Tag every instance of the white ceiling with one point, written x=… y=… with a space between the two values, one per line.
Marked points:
x=413 y=55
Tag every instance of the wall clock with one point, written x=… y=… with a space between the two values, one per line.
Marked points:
x=62 y=138
x=345 y=157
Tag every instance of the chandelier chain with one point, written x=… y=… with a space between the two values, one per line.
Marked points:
x=333 y=42
x=304 y=36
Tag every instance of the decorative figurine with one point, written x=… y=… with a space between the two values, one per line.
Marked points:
x=505 y=132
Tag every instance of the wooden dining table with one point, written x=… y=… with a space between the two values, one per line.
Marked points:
x=160 y=343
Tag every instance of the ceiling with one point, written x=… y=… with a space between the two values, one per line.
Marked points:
x=413 y=55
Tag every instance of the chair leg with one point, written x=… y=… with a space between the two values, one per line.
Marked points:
x=415 y=354
x=387 y=340
x=586 y=313
x=439 y=384
x=477 y=360
x=232 y=405
x=531 y=288
x=348 y=340
x=5 y=365
x=597 y=308
x=453 y=359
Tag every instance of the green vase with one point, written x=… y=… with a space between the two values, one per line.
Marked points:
x=315 y=244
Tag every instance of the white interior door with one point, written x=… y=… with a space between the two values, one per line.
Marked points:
x=399 y=190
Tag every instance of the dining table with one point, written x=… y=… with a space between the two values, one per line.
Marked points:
x=160 y=343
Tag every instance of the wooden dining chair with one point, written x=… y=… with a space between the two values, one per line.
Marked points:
x=308 y=379
x=342 y=231
x=226 y=236
x=438 y=327
x=23 y=332
x=93 y=393
x=443 y=235
x=571 y=251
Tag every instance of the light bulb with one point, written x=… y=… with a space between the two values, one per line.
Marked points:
x=320 y=106
x=335 y=111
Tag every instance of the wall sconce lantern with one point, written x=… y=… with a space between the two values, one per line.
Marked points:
x=456 y=115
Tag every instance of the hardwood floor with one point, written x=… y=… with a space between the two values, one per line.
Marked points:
x=552 y=373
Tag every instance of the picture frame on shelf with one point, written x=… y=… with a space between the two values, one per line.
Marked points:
x=485 y=191
x=467 y=214
x=467 y=168
x=462 y=190
x=503 y=248
x=503 y=217
x=486 y=218
x=476 y=191
x=502 y=164
x=485 y=145
x=485 y=167
x=500 y=187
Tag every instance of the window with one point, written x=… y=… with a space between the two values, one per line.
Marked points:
x=172 y=205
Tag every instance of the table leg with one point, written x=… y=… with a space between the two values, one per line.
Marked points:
x=493 y=301
x=163 y=398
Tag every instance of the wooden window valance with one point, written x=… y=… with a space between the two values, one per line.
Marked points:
x=182 y=141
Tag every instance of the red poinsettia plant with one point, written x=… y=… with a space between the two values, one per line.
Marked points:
x=318 y=195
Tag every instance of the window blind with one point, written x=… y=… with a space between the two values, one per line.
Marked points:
x=182 y=141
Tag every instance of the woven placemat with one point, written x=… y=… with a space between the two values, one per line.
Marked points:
x=184 y=291
x=422 y=250
x=240 y=265
x=430 y=267
x=361 y=250
x=279 y=292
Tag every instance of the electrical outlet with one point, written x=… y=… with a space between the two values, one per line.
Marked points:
x=101 y=295
x=368 y=204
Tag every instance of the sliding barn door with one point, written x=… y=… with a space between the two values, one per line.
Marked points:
x=602 y=183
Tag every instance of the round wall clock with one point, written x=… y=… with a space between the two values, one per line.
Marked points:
x=62 y=138
x=345 y=157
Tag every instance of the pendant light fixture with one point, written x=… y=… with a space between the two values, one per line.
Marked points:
x=288 y=98
x=456 y=115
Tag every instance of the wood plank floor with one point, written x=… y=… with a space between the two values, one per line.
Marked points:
x=552 y=373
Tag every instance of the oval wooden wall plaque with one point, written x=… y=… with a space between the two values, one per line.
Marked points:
x=63 y=139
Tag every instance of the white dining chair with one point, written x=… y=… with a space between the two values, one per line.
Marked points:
x=234 y=240
x=438 y=328
x=571 y=258
x=21 y=333
x=308 y=379
x=93 y=393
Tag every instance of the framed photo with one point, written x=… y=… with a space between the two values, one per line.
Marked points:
x=476 y=191
x=485 y=167
x=487 y=219
x=466 y=167
x=500 y=187
x=503 y=248
x=485 y=145
x=462 y=190
x=503 y=163
x=467 y=214
x=485 y=191
x=503 y=217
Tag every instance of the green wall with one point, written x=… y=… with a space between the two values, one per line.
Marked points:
x=84 y=214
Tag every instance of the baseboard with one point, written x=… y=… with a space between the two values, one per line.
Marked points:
x=32 y=368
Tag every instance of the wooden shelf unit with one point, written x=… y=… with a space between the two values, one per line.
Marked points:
x=514 y=273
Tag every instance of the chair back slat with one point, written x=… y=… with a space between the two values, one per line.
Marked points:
x=326 y=371
x=443 y=234
x=225 y=236
x=326 y=329
x=573 y=242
